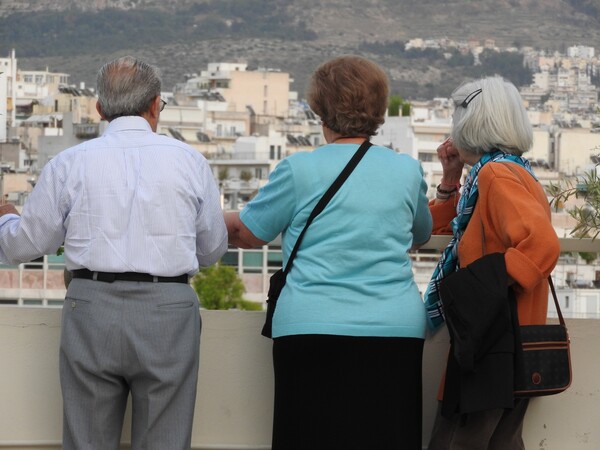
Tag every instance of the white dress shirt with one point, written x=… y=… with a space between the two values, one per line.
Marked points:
x=128 y=201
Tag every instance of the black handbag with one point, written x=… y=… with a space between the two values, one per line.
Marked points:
x=277 y=280
x=543 y=365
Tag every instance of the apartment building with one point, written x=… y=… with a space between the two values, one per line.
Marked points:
x=263 y=91
x=246 y=169
x=8 y=94
x=206 y=124
x=575 y=148
x=36 y=87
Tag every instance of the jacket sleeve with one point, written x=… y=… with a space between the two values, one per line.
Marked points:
x=442 y=214
x=520 y=218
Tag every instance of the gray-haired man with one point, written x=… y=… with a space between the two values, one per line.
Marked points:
x=138 y=214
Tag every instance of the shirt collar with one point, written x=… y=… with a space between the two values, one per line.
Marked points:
x=128 y=123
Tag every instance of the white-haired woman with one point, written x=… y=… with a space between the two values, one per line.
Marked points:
x=502 y=209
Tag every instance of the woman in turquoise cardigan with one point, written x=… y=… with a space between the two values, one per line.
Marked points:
x=350 y=322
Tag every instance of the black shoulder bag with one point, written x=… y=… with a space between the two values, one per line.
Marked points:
x=544 y=358
x=277 y=280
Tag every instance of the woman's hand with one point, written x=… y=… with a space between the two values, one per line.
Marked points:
x=451 y=164
x=239 y=235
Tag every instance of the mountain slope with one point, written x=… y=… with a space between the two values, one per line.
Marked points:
x=182 y=36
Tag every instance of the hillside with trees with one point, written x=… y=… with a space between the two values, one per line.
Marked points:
x=182 y=36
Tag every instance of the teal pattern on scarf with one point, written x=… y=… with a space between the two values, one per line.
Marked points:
x=448 y=262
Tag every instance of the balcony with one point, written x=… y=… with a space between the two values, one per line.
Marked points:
x=86 y=130
x=234 y=404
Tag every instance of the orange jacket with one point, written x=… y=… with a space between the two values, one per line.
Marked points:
x=512 y=216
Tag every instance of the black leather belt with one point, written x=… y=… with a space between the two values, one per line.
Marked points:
x=109 y=277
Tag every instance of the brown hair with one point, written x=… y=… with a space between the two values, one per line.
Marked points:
x=350 y=95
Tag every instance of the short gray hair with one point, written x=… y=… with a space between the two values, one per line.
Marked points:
x=127 y=87
x=489 y=114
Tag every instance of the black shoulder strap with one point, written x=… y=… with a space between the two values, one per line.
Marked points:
x=328 y=196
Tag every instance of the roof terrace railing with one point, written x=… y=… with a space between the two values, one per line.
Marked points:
x=41 y=283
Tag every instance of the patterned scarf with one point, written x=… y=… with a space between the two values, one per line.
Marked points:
x=448 y=262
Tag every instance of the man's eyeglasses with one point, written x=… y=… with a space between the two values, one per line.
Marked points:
x=470 y=98
x=162 y=104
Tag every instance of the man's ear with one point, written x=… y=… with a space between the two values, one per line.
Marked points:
x=99 y=109
x=155 y=108
x=153 y=113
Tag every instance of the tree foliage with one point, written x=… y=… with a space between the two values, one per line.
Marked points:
x=588 y=7
x=509 y=65
x=458 y=59
x=391 y=48
x=397 y=106
x=220 y=287
x=53 y=33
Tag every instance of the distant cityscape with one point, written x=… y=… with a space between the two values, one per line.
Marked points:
x=245 y=121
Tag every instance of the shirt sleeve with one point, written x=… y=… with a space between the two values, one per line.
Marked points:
x=40 y=229
x=211 y=232
x=271 y=211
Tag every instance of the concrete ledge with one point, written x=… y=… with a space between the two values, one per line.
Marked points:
x=234 y=405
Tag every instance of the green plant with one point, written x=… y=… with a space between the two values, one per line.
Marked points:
x=398 y=106
x=246 y=175
x=588 y=257
x=220 y=287
x=587 y=215
x=223 y=173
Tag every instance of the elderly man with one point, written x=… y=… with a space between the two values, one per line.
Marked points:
x=138 y=214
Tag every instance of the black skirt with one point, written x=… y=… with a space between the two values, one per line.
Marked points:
x=350 y=393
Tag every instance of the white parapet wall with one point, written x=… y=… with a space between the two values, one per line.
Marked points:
x=234 y=405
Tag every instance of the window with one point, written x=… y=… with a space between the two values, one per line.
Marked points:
x=272 y=152
x=279 y=152
x=265 y=91
x=28 y=78
x=39 y=79
x=258 y=173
